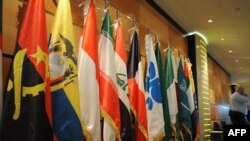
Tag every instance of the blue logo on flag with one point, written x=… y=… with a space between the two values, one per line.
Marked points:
x=153 y=87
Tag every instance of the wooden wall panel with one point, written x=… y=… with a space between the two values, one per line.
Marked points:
x=219 y=91
x=128 y=7
x=150 y=19
x=6 y=67
x=10 y=24
x=177 y=40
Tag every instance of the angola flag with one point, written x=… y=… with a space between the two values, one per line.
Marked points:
x=88 y=75
x=136 y=89
x=122 y=83
x=24 y=115
x=63 y=76
x=110 y=108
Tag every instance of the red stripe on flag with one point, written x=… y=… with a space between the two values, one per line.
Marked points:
x=119 y=44
x=90 y=44
x=33 y=33
x=138 y=106
x=109 y=99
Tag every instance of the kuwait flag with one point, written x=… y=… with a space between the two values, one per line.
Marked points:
x=136 y=89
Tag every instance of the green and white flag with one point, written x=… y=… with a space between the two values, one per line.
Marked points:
x=167 y=125
x=109 y=98
x=171 y=90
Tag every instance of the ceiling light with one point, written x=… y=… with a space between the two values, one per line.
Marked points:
x=210 y=21
x=236 y=60
x=241 y=68
x=222 y=39
x=230 y=51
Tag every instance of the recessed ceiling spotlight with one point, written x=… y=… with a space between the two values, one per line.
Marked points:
x=210 y=21
x=222 y=39
x=236 y=60
x=230 y=51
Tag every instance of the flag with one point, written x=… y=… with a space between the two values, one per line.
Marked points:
x=136 y=88
x=1 y=60
x=183 y=84
x=63 y=76
x=167 y=125
x=171 y=91
x=89 y=78
x=108 y=90
x=24 y=115
x=193 y=101
x=153 y=94
x=178 y=135
x=122 y=81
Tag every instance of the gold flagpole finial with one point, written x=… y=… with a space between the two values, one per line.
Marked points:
x=107 y=3
x=148 y=30
x=118 y=16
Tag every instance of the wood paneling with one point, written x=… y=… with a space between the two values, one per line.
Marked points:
x=6 y=68
x=219 y=91
x=128 y=7
x=177 y=40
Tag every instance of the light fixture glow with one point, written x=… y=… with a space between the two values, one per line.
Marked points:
x=222 y=39
x=208 y=135
x=230 y=51
x=210 y=21
x=198 y=33
x=236 y=60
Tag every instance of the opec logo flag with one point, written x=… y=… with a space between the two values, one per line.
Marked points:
x=153 y=94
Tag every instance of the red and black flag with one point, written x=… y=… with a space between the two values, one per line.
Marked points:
x=122 y=83
x=24 y=113
x=136 y=89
